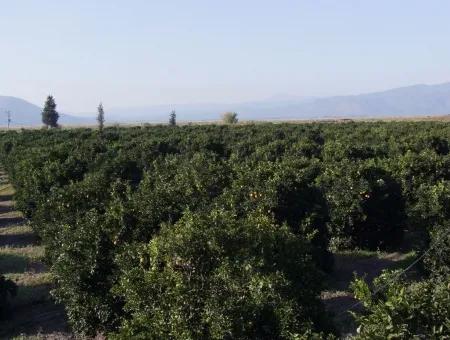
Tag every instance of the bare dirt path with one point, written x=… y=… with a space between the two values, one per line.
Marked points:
x=33 y=314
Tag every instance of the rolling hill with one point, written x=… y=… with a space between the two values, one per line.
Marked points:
x=24 y=114
x=417 y=100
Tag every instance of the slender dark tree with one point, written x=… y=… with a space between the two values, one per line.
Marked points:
x=49 y=114
x=8 y=115
x=100 y=117
x=173 y=118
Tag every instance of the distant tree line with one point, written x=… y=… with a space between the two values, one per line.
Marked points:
x=50 y=116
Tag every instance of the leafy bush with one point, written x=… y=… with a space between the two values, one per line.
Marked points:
x=403 y=311
x=286 y=192
x=366 y=206
x=93 y=199
x=437 y=260
x=84 y=272
x=431 y=204
x=230 y=118
x=215 y=276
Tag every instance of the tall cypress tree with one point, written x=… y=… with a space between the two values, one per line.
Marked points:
x=173 y=118
x=49 y=114
x=100 y=117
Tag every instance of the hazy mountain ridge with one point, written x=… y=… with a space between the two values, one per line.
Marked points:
x=416 y=100
x=405 y=101
x=24 y=113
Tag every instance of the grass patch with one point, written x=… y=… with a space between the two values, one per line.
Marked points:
x=33 y=337
x=16 y=230
x=362 y=253
x=17 y=236
x=382 y=255
x=13 y=263
x=31 y=279
x=358 y=253
x=19 y=260
x=33 y=313
x=33 y=288
x=6 y=190
x=29 y=295
x=33 y=253
x=10 y=213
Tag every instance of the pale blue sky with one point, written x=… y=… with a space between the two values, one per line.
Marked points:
x=132 y=53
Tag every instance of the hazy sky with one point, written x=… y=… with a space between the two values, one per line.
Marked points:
x=132 y=53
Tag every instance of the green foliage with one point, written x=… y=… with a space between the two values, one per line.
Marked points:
x=100 y=117
x=49 y=114
x=431 y=203
x=82 y=271
x=214 y=276
x=403 y=311
x=286 y=192
x=366 y=206
x=230 y=118
x=437 y=260
x=97 y=203
x=173 y=118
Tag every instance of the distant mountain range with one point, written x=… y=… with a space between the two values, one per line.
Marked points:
x=25 y=114
x=417 y=100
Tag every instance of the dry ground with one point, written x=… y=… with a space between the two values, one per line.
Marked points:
x=33 y=314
